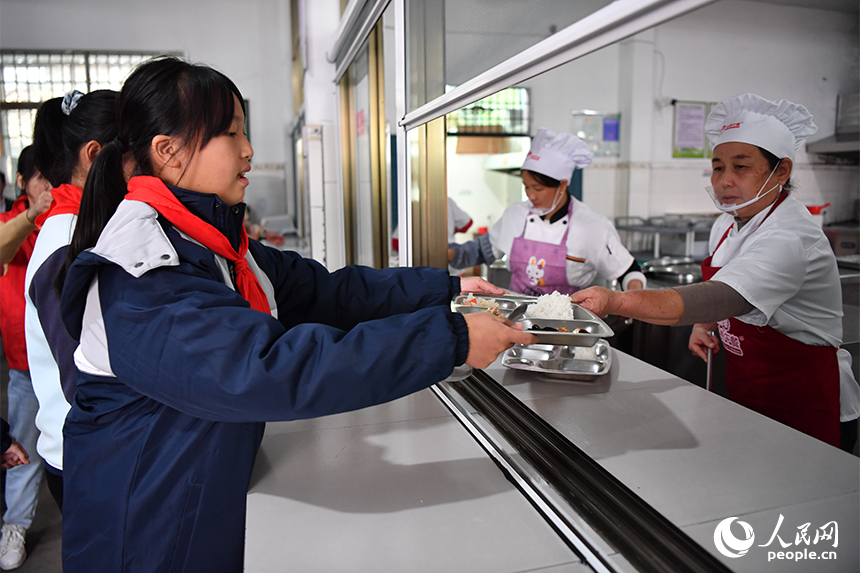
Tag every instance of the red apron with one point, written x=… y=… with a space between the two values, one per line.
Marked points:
x=780 y=377
x=540 y=268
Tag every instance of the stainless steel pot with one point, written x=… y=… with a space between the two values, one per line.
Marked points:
x=679 y=270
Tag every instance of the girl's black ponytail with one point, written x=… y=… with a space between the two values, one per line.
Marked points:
x=103 y=192
x=65 y=124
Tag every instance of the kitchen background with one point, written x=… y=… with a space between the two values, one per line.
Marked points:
x=802 y=50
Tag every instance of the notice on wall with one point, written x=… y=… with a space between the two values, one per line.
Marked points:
x=689 y=134
x=599 y=130
x=610 y=128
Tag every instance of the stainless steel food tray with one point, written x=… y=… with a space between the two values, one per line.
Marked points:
x=506 y=305
x=594 y=328
x=560 y=361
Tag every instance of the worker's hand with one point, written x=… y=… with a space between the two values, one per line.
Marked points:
x=451 y=254
x=701 y=340
x=479 y=285
x=276 y=239
x=14 y=456
x=601 y=301
x=490 y=335
x=39 y=206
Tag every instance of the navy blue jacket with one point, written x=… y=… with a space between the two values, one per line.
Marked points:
x=5 y=437
x=177 y=374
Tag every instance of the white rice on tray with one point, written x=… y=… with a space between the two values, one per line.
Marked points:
x=555 y=305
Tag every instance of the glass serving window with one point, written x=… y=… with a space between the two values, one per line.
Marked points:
x=453 y=41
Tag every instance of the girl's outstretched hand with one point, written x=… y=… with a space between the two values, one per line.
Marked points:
x=599 y=300
x=490 y=335
x=479 y=285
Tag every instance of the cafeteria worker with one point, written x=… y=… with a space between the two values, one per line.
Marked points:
x=554 y=242
x=772 y=286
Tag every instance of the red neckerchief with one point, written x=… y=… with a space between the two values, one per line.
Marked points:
x=67 y=201
x=153 y=192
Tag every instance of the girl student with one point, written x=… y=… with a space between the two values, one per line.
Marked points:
x=191 y=335
x=68 y=133
x=17 y=237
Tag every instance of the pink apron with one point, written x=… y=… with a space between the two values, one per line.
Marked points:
x=780 y=377
x=540 y=268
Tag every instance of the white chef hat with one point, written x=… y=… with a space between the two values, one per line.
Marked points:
x=556 y=155
x=781 y=126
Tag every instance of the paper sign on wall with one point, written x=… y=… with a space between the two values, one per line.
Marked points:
x=688 y=139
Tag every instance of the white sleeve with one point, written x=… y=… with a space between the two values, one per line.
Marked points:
x=611 y=258
x=506 y=229
x=459 y=217
x=768 y=272
x=849 y=391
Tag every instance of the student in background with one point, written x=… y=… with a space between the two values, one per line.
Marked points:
x=67 y=135
x=458 y=220
x=17 y=238
x=7 y=203
x=11 y=452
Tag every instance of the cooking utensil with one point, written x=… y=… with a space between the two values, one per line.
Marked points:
x=710 y=364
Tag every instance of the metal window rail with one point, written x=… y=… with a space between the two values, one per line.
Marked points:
x=358 y=31
x=608 y=25
x=649 y=541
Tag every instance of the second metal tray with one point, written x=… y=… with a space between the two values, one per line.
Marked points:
x=464 y=305
x=566 y=362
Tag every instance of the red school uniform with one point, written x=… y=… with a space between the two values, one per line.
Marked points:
x=12 y=294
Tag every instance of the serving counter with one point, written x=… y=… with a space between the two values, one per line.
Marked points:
x=425 y=483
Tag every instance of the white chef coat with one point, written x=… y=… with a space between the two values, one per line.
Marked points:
x=458 y=220
x=593 y=244
x=786 y=269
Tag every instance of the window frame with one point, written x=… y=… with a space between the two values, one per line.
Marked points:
x=73 y=58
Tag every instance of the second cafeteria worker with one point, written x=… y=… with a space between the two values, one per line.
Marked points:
x=553 y=241
x=772 y=286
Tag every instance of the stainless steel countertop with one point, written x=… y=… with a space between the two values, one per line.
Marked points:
x=403 y=487
x=394 y=488
x=698 y=458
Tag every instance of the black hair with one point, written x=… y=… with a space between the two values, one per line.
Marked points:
x=773 y=161
x=544 y=180
x=26 y=166
x=58 y=137
x=162 y=96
